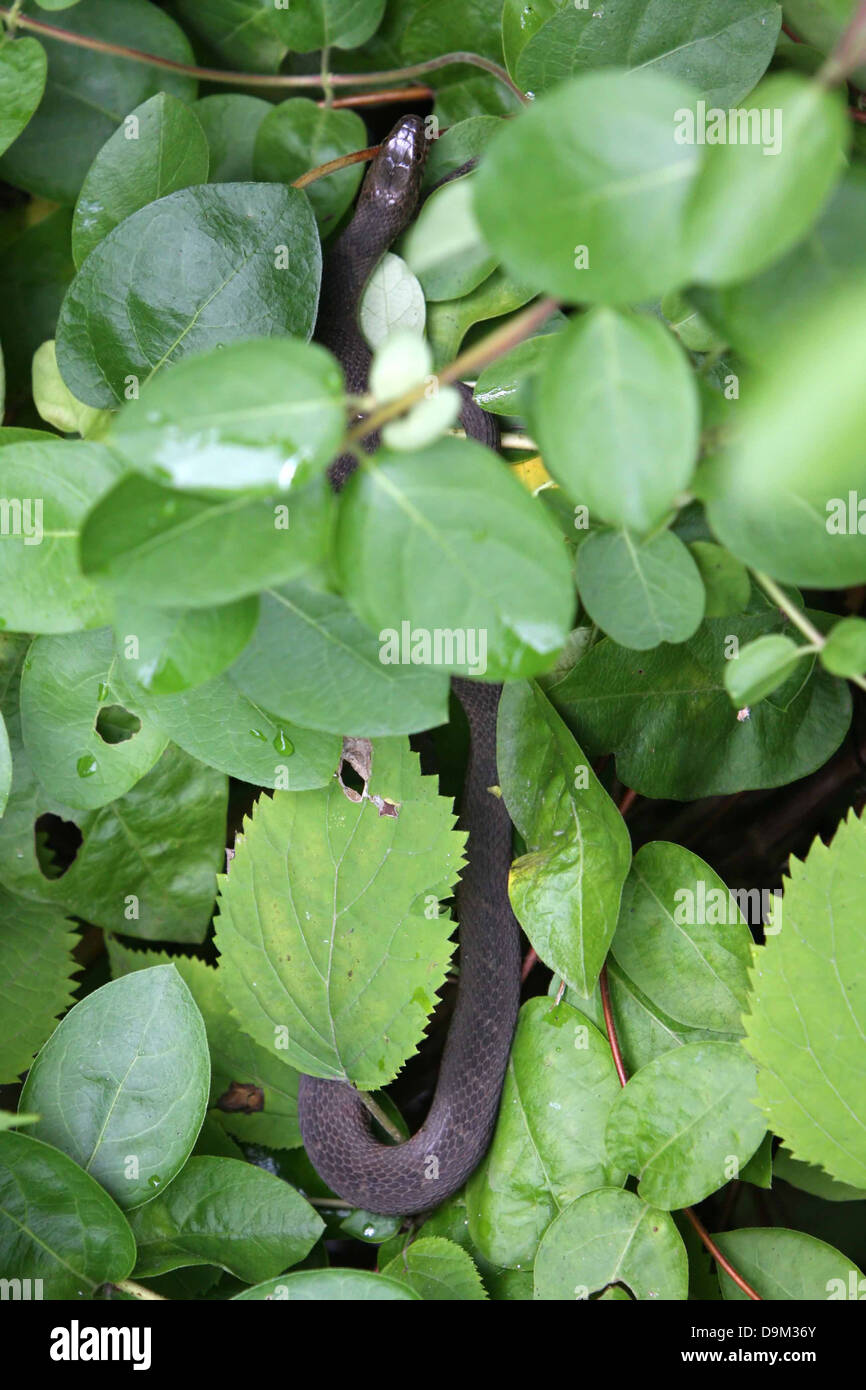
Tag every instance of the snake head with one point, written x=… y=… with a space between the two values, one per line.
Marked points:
x=394 y=177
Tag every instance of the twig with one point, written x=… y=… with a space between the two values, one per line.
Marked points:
x=795 y=615
x=384 y=98
x=139 y=1291
x=380 y=1117
x=610 y=1026
x=333 y=165
x=261 y=79
x=849 y=53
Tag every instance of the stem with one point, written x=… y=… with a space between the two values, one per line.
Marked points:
x=380 y=1117
x=849 y=52
x=327 y=84
x=333 y=165
x=383 y=98
x=139 y=1291
x=815 y=638
x=260 y=79
x=496 y=344
x=688 y=1212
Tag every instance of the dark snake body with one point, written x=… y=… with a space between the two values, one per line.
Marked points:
x=335 y=1123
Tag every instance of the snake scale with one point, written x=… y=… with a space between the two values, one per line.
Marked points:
x=418 y=1174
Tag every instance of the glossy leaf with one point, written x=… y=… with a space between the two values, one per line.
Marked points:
x=444 y=247
x=297 y=136
x=220 y=1211
x=122 y=1083
x=57 y=1224
x=166 y=650
x=159 y=148
x=331 y=1285
x=23 y=68
x=785 y=1265
x=641 y=593
x=610 y=1236
x=133 y=307
x=438 y=1270
x=230 y=121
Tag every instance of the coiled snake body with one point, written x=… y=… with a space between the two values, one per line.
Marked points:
x=335 y=1123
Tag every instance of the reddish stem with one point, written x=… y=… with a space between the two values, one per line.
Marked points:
x=530 y=960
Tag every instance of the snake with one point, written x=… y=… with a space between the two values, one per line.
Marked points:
x=419 y=1173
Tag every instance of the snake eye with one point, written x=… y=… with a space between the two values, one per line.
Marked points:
x=400 y=159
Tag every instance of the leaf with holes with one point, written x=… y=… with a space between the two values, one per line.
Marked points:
x=324 y=925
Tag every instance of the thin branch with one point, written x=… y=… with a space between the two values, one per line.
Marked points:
x=324 y=80
x=496 y=344
x=380 y=1117
x=688 y=1212
x=333 y=165
x=796 y=616
x=139 y=1291
x=850 y=51
x=384 y=98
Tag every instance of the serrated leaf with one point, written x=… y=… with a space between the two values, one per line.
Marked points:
x=808 y=1178
x=548 y=1146
x=159 y=148
x=88 y=93
x=122 y=1083
x=322 y=929
x=806 y=1023
x=668 y=717
x=23 y=67
x=71 y=700
x=236 y=1061
x=438 y=1270
x=136 y=306
x=785 y=1265
x=49 y=488
x=565 y=890
x=610 y=1236
x=224 y=1212
x=332 y=1286
x=486 y=562
x=154 y=544
x=36 y=966
x=57 y=1224
x=312 y=661
x=686 y=1123
x=641 y=593
x=682 y=940
x=616 y=416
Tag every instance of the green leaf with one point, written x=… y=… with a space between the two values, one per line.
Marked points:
x=808 y=1178
x=36 y=965
x=153 y=544
x=323 y=929
x=122 y=1083
x=167 y=650
x=668 y=718
x=49 y=489
x=298 y=135
x=230 y=122
x=592 y=168
x=5 y=766
x=159 y=148
x=681 y=938
x=686 y=1123
x=236 y=1061
x=88 y=93
x=506 y=386
x=806 y=1021
x=640 y=592
x=71 y=701
x=135 y=305
x=314 y=24
x=221 y=1211
x=622 y=386
x=486 y=561
x=312 y=661
x=449 y=322
x=722 y=47
x=9 y=1120
x=57 y=1224
x=393 y=301
x=331 y=1286
x=444 y=247
x=56 y=403
x=438 y=1270
x=548 y=1146
x=565 y=890
x=785 y=1265
x=243 y=32
x=725 y=579
x=23 y=67
x=261 y=415
x=217 y=723
x=756 y=197
x=691 y=328
x=761 y=667
x=844 y=651
x=606 y=1237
